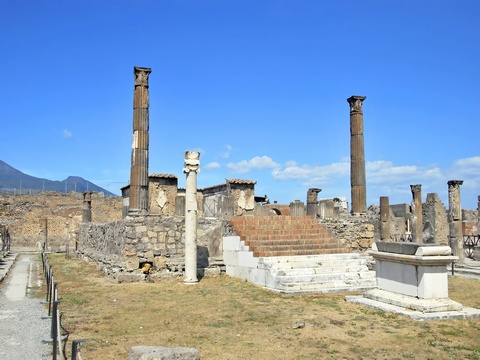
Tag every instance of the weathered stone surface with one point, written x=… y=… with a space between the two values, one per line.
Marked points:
x=109 y=245
x=163 y=353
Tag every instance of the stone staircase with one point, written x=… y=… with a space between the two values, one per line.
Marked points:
x=293 y=255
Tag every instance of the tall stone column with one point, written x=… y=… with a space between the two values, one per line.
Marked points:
x=312 y=201
x=87 y=207
x=138 y=203
x=455 y=219
x=192 y=163
x=478 y=214
x=384 y=218
x=417 y=220
x=357 y=156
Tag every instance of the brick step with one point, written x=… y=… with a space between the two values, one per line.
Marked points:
x=264 y=221
x=269 y=253
x=320 y=232
x=280 y=247
x=285 y=236
x=275 y=242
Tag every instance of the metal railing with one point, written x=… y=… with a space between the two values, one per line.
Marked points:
x=469 y=244
x=58 y=335
x=4 y=240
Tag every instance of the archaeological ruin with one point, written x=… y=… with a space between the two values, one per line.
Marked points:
x=157 y=230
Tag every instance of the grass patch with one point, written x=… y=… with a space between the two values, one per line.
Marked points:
x=225 y=318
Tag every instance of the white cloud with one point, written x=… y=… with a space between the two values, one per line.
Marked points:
x=226 y=154
x=212 y=165
x=381 y=172
x=325 y=173
x=67 y=134
x=256 y=163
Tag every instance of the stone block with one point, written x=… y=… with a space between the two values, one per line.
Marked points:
x=148 y=256
x=160 y=262
x=163 y=353
x=132 y=262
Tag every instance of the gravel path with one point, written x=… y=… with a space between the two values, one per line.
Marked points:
x=21 y=325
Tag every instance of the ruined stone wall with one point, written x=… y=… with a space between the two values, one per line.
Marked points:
x=470 y=222
x=355 y=231
x=22 y=214
x=435 y=222
x=244 y=199
x=122 y=248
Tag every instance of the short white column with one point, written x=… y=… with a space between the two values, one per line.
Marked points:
x=192 y=162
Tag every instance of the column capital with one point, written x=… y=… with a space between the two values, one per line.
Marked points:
x=416 y=188
x=454 y=182
x=141 y=75
x=355 y=103
x=192 y=161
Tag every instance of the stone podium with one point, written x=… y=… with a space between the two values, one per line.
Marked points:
x=412 y=280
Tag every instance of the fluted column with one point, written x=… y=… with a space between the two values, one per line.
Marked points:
x=192 y=163
x=384 y=218
x=417 y=221
x=139 y=169
x=455 y=219
x=357 y=156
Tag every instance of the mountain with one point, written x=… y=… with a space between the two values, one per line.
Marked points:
x=13 y=180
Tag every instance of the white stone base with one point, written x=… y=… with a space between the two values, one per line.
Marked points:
x=413 y=303
x=465 y=313
x=305 y=274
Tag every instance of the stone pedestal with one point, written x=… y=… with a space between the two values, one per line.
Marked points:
x=192 y=162
x=413 y=269
x=412 y=280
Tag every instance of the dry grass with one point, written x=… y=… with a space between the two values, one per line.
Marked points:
x=225 y=318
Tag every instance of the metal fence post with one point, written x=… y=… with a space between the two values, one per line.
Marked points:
x=75 y=345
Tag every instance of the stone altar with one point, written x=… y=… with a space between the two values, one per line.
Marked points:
x=412 y=280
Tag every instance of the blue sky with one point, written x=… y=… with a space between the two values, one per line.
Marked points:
x=258 y=87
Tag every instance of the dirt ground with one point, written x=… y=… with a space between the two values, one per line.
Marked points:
x=225 y=318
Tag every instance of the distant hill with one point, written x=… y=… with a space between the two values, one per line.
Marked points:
x=13 y=180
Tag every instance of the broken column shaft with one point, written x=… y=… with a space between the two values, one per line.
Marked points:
x=384 y=218
x=312 y=201
x=357 y=156
x=417 y=221
x=192 y=163
x=455 y=219
x=138 y=202
x=87 y=207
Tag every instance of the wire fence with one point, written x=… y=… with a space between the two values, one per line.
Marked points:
x=58 y=335
x=15 y=191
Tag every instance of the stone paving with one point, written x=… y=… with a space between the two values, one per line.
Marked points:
x=21 y=325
